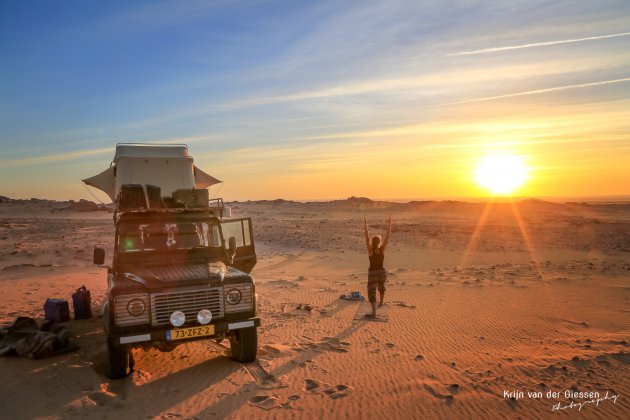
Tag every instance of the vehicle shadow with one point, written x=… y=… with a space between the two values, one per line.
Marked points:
x=42 y=387
x=174 y=388
x=230 y=404
x=76 y=384
x=79 y=385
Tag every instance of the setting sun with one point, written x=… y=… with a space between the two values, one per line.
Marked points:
x=501 y=174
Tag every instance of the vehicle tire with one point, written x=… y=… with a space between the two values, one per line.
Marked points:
x=119 y=360
x=106 y=317
x=244 y=345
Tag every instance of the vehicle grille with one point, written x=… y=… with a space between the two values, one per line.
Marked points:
x=190 y=303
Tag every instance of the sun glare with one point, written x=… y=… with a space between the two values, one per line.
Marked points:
x=501 y=174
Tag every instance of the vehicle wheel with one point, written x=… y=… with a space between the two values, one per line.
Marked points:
x=244 y=345
x=119 y=359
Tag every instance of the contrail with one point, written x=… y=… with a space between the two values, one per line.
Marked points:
x=539 y=91
x=538 y=44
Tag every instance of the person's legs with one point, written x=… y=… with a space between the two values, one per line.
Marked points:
x=381 y=287
x=372 y=287
x=373 y=314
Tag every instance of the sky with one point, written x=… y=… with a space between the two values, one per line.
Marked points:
x=315 y=100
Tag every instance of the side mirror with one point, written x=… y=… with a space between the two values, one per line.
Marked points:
x=99 y=256
x=232 y=245
x=231 y=251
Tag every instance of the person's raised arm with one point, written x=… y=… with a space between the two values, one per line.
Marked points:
x=367 y=235
x=389 y=232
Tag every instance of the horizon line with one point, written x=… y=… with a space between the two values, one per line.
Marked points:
x=610 y=198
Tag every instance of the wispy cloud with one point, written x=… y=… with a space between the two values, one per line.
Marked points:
x=539 y=91
x=539 y=44
x=571 y=124
x=163 y=14
x=444 y=81
x=109 y=150
x=40 y=160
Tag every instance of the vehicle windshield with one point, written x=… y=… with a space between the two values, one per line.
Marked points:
x=133 y=237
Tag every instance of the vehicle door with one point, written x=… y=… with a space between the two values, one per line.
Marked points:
x=241 y=229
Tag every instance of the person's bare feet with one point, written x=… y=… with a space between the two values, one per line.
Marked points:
x=381 y=303
x=370 y=315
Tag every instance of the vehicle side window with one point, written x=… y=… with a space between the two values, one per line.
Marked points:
x=214 y=236
x=238 y=229
x=247 y=239
x=211 y=235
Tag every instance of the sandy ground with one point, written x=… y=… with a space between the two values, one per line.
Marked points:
x=486 y=306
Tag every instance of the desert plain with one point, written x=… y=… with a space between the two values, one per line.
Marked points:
x=492 y=310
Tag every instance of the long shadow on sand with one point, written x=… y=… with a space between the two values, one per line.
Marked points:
x=228 y=405
x=184 y=384
x=144 y=400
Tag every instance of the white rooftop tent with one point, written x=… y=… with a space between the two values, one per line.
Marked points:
x=169 y=167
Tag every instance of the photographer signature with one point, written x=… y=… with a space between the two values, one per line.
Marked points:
x=580 y=405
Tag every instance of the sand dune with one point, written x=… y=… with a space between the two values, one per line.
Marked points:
x=536 y=298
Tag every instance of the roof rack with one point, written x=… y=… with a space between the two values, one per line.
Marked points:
x=143 y=197
x=152 y=144
x=215 y=206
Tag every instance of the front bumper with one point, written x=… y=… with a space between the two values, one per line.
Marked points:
x=162 y=335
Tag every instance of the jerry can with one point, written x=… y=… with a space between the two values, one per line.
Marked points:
x=82 y=303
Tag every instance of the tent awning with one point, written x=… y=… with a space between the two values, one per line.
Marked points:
x=169 y=167
x=105 y=181
x=203 y=180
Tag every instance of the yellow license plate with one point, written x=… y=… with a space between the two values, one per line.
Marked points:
x=192 y=332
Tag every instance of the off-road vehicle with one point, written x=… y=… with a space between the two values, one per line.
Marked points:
x=180 y=269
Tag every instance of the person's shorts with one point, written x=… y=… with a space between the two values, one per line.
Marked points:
x=376 y=280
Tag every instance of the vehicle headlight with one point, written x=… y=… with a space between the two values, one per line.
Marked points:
x=136 y=307
x=239 y=298
x=178 y=318
x=233 y=296
x=204 y=316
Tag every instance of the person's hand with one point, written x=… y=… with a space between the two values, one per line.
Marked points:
x=365 y=219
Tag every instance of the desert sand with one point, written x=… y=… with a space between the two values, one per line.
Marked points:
x=484 y=304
